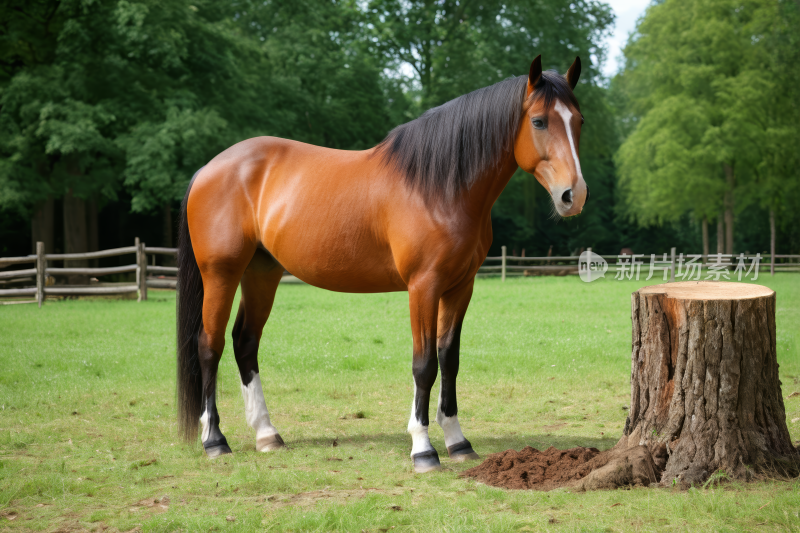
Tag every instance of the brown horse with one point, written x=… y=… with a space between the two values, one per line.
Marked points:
x=411 y=214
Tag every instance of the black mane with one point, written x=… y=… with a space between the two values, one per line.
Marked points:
x=445 y=150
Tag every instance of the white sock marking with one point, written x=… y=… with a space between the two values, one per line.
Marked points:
x=255 y=408
x=450 y=426
x=205 y=424
x=566 y=115
x=419 y=433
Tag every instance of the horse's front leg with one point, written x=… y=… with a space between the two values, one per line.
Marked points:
x=452 y=308
x=423 y=301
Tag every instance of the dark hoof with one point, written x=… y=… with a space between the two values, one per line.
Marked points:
x=216 y=451
x=271 y=443
x=217 y=448
x=426 y=462
x=462 y=451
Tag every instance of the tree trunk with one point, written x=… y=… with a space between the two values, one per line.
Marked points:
x=92 y=230
x=75 y=235
x=720 y=235
x=704 y=382
x=705 y=239
x=731 y=182
x=42 y=227
x=772 y=242
x=167 y=228
x=729 y=230
x=168 y=234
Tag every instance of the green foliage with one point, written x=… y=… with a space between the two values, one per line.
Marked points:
x=455 y=47
x=123 y=100
x=709 y=83
x=142 y=94
x=315 y=49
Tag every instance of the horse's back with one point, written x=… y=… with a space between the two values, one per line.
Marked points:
x=320 y=212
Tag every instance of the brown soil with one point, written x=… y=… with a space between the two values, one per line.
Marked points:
x=578 y=468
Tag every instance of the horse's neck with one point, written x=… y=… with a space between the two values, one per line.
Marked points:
x=486 y=190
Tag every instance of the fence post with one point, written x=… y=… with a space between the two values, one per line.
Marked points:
x=672 y=265
x=41 y=266
x=503 y=264
x=138 y=270
x=142 y=256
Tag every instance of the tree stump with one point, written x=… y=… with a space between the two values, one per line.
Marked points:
x=705 y=393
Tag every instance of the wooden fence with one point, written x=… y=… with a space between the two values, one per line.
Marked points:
x=42 y=272
x=508 y=266
x=568 y=265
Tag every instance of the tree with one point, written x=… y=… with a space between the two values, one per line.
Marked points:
x=762 y=100
x=690 y=80
x=101 y=96
x=98 y=71
x=315 y=54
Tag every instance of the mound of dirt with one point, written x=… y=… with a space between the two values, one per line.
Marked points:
x=579 y=468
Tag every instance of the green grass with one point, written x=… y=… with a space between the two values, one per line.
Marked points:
x=88 y=434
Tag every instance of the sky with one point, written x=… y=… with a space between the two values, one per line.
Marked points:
x=627 y=12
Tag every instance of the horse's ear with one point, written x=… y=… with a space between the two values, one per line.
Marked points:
x=534 y=75
x=574 y=73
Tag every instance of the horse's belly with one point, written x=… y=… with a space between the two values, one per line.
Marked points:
x=343 y=263
x=346 y=277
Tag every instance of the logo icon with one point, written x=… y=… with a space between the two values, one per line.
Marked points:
x=591 y=267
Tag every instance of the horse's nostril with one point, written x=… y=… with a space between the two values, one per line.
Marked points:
x=567 y=196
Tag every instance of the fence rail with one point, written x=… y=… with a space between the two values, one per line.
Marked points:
x=41 y=272
x=568 y=265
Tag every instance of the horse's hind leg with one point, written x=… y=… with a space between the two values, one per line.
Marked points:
x=452 y=308
x=220 y=289
x=259 y=283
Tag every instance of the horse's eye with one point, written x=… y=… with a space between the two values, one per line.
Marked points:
x=539 y=124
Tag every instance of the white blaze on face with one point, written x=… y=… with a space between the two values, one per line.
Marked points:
x=255 y=408
x=566 y=115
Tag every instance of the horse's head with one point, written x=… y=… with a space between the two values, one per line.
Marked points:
x=549 y=134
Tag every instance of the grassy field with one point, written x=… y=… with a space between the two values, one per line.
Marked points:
x=88 y=435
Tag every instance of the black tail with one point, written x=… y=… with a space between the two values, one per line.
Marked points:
x=190 y=322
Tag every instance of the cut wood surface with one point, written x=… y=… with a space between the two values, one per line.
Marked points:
x=708 y=290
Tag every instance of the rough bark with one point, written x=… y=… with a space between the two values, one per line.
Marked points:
x=720 y=234
x=704 y=381
x=42 y=227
